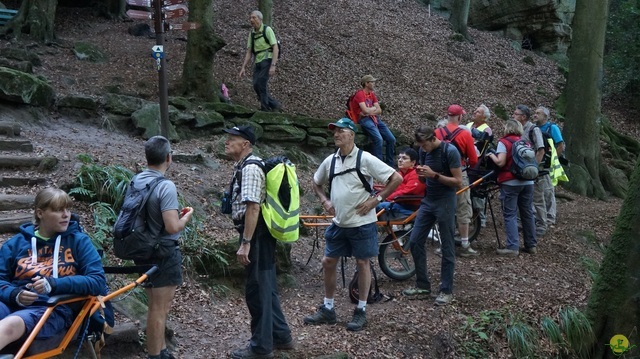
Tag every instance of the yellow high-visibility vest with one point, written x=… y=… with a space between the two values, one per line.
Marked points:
x=283 y=222
x=556 y=172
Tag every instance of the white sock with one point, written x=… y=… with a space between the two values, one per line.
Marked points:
x=465 y=241
x=362 y=304
x=328 y=303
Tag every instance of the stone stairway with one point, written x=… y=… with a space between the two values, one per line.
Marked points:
x=22 y=173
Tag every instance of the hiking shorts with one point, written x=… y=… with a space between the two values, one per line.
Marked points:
x=57 y=322
x=169 y=271
x=464 y=212
x=359 y=242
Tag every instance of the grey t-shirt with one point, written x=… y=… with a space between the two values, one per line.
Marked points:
x=164 y=198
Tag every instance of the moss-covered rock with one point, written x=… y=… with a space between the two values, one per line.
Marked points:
x=284 y=133
x=316 y=141
x=89 y=52
x=79 y=101
x=228 y=109
x=180 y=103
x=21 y=87
x=208 y=119
x=21 y=55
x=22 y=66
x=148 y=119
x=123 y=104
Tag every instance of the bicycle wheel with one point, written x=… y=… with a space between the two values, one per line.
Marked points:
x=395 y=258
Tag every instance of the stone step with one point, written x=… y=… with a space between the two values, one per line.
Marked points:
x=10 y=202
x=10 y=223
x=9 y=129
x=16 y=145
x=43 y=163
x=21 y=181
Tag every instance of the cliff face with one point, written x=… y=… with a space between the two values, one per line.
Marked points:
x=542 y=25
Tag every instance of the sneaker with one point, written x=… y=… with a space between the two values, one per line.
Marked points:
x=438 y=251
x=530 y=250
x=396 y=228
x=358 y=321
x=468 y=251
x=407 y=227
x=248 y=353
x=410 y=292
x=322 y=316
x=483 y=224
x=166 y=354
x=291 y=344
x=507 y=252
x=443 y=299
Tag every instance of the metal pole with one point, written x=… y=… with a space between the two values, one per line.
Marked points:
x=162 y=73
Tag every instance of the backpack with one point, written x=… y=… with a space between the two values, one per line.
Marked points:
x=546 y=136
x=524 y=165
x=362 y=178
x=374 y=290
x=444 y=159
x=262 y=34
x=448 y=136
x=348 y=113
x=138 y=243
x=281 y=207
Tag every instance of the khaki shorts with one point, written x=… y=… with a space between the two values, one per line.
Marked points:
x=463 y=203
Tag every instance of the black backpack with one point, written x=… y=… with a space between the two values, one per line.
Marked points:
x=546 y=159
x=374 y=290
x=138 y=243
x=256 y=36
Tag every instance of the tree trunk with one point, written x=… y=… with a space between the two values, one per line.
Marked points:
x=116 y=9
x=459 y=17
x=203 y=43
x=266 y=8
x=583 y=91
x=36 y=18
x=613 y=305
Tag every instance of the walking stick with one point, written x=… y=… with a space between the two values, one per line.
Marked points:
x=475 y=183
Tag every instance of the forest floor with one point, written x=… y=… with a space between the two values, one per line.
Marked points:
x=210 y=317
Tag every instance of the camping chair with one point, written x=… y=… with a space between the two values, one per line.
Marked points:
x=33 y=348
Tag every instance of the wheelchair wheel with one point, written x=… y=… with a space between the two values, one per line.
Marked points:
x=395 y=258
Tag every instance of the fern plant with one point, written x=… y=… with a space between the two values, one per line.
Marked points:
x=521 y=337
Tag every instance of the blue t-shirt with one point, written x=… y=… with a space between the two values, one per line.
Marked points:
x=433 y=159
x=554 y=131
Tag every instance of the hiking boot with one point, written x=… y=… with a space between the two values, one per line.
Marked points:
x=410 y=292
x=322 y=316
x=507 y=252
x=166 y=354
x=358 y=321
x=468 y=251
x=438 y=251
x=530 y=250
x=291 y=344
x=443 y=299
x=248 y=353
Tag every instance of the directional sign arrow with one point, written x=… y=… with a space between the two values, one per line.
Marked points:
x=184 y=26
x=137 y=14
x=145 y=3
x=174 y=11
x=157 y=48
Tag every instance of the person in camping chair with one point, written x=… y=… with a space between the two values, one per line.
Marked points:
x=410 y=186
x=49 y=257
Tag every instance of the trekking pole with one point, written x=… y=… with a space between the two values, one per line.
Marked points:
x=475 y=183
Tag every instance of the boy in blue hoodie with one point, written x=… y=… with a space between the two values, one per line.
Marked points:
x=30 y=271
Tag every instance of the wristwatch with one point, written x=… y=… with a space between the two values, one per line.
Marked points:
x=245 y=241
x=379 y=198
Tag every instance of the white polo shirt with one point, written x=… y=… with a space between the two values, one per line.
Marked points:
x=347 y=190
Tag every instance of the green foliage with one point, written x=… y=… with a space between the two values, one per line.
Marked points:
x=479 y=331
x=106 y=184
x=592 y=266
x=103 y=219
x=577 y=330
x=521 y=337
x=622 y=49
x=552 y=330
x=500 y=111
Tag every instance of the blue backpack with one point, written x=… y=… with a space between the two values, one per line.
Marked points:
x=524 y=165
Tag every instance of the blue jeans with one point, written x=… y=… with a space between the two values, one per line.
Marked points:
x=394 y=210
x=260 y=79
x=442 y=211
x=514 y=199
x=268 y=325
x=377 y=134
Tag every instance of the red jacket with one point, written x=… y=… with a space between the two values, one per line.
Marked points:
x=410 y=186
x=464 y=142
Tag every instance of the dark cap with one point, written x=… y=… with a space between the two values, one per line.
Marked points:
x=344 y=123
x=245 y=132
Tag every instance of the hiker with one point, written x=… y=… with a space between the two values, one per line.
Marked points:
x=440 y=167
x=515 y=194
x=532 y=134
x=410 y=186
x=263 y=46
x=257 y=249
x=163 y=217
x=365 y=110
x=353 y=231
x=462 y=140
x=30 y=270
x=542 y=117
x=481 y=132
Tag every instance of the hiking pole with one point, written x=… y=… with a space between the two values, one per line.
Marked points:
x=475 y=183
x=493 y=218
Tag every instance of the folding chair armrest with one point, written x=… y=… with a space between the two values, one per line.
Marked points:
x=406 y=198
x=59 y=299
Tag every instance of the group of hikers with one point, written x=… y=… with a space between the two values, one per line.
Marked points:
x=54 y=256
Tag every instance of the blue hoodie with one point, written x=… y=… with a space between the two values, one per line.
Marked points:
x=79 y=266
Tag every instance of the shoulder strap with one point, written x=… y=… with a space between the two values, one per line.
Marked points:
x=151 y=187
x=444 y=157
x=364 y=181
x=362 y=178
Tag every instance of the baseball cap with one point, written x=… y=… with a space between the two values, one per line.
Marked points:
x=455 y=110
x=367 y=78
x=344 y=123
x=245 y=132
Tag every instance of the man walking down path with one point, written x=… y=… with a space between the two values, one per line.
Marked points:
x=364 y=109
x=532 y=134
x=353 y=231
x=462 y=140
x=440 y=167
x=269 y=328
x=263 y=45
x=163 y=218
